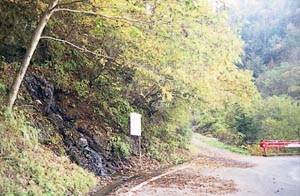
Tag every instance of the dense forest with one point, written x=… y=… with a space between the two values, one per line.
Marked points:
x=231 y=71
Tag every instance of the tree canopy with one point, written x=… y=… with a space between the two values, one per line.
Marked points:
x=184 y=65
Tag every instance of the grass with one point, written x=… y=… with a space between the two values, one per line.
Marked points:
x=28 y=168
x=214 y=142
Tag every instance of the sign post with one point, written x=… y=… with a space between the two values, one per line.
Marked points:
x=136 y=130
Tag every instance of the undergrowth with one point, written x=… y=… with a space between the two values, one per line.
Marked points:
x=28 y=168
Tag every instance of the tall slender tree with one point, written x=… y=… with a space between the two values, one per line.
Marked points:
x=28 y=55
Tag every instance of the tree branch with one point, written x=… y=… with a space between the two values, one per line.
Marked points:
x=89 y=51
x=78 y=47
x=70 y=3
x=102 y=15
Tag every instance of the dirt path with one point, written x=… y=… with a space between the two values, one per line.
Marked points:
x=219 y=172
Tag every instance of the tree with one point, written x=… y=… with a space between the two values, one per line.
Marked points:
x=278 y=118
x=270 y=33
x=161 y=58
x=26 y=60
x=53 y=7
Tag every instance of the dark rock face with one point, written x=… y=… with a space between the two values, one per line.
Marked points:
x=81 y=148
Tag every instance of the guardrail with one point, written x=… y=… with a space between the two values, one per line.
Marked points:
x=277 y=144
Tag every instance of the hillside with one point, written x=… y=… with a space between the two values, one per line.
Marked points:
x=92 y=63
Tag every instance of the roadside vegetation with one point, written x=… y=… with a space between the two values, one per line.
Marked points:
x=28 y=168
x=214 y=142
x=186 y=67
x=271 y=51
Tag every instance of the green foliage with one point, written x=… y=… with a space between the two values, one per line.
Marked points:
x=229 y=147
x=184 y=135
x=274 y=118
x=271 y=52
x=176 y=58
x=16 y=32
x=81 y=88
x=120 y=109
x=278 y=118
x=24 y=172
x=2 y=88
x=121 y=146
x=63 y=76
x=283 y=79
x=272 y=45
x=241 y=121
x=213 y=123
x=2 y=92
x=163 y=143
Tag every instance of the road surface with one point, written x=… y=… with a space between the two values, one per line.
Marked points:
x=219 y=172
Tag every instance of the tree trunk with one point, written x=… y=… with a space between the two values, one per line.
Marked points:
x=26 y=60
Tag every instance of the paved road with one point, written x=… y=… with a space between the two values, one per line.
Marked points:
x=278 y=176
x=272 y=176
x=219 y=172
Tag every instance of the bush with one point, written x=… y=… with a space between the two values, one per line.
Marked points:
x=254 y=150
x=241 y=122
x=278 y=118
x=27 y=168
x=120 y=146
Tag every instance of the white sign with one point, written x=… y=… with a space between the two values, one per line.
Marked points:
x=135 y=124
